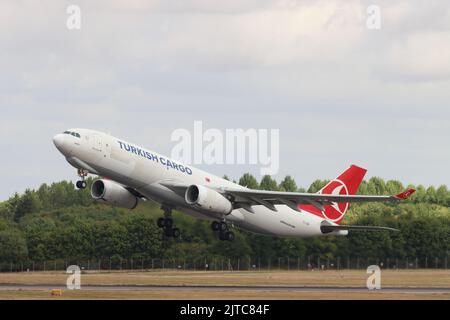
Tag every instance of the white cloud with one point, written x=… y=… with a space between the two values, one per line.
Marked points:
x=421 y=57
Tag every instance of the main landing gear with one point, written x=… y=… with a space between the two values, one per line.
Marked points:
x=222 y=229
x=82 y=184
x=166 y=224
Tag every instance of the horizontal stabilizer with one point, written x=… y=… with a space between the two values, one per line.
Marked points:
x=330 y=228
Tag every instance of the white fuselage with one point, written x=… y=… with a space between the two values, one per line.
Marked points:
x=144 y=170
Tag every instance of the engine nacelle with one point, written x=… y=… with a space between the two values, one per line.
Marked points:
x=113 y=194
x=208 y=200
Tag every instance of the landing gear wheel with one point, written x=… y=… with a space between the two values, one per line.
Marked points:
x=161 y=222
x=227 y=236
x=168 y=232
x=176 y=233
x=223 y=226
x=230 y=236
x=168 y=223
x=165 y=223
x=215 y=226
x=81 y=184
x=82 y=174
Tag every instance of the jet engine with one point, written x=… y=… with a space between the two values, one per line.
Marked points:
x=208 y=200
x=113 y=194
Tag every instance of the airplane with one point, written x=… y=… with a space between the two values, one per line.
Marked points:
x=131 y=174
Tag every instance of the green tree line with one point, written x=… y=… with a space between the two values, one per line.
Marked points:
x=59 y=222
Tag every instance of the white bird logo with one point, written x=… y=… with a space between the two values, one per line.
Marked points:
x=337 y=191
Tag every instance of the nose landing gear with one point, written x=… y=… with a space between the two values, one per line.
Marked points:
x=82 y=184
x=166 y=224
x=223 y=230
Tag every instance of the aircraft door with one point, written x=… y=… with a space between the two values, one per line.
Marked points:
x=97 y=146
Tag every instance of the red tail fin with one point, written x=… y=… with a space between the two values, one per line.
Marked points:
x=346 y=184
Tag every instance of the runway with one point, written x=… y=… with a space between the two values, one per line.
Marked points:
x=211 y=285
x=325 y=289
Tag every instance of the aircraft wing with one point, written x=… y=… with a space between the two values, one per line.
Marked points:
x=176 y=186
x=294 y=199
x=245 y=198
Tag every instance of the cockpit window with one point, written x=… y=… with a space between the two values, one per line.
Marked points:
x=76 y=135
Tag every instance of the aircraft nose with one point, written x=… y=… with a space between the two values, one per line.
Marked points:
x=58 y=140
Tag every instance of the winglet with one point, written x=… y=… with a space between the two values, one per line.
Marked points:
x=405 y=195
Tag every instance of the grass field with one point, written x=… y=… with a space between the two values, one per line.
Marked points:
x=344 y=278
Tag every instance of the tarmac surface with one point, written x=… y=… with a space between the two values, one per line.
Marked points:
x=421 y=290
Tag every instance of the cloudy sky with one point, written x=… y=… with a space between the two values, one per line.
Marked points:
x=339 y=92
